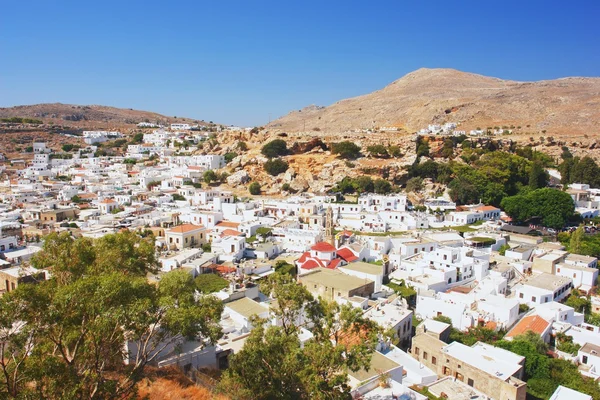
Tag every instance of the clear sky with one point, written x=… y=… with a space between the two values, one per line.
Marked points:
x=236 y=62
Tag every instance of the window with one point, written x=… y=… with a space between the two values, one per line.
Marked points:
x=557 y=269
x=446 y=371
x=425 y=355
x=416 y=351
x=584 y=359
x=434 y=360
x=470 y=382
x=520 y=295
x=533 y=298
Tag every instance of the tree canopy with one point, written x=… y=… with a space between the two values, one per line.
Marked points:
x=346 y=149
x=273 y=363
x=64 y=338
x=553 y=206
x=275 y=148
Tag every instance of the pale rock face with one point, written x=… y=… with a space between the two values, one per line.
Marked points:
x=299 y=184
x=289 y=176
x=238 y=178
x=236 y=162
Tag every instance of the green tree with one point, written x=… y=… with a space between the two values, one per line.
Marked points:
x=553 y=206
x=230 y=156
x=274 y=365
x=254 y=188
x=346 y=149
x=67 y=147
x=576 y=242
x=275 y=148
x=72 y=328
x=378 y=150
x=137 y=138
x=210 y=176
x=538 y=177
x=364 y=184
x=381 y=186
x=414 y=184
x=276 y=166
x=242 y=146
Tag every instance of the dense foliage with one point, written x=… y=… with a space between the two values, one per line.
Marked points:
x=64 y=338
x=346 y=149
x=254 y=188
x=363 y=184
x=553 y=206
x=275 y=148
x=543 y=373
x=274 y=364
x=276 y=166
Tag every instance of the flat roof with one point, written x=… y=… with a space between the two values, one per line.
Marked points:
x=547 y=281
x=494 y=363
x=364 y=267
x=591 y=348
x=564 y=393
x=334 y=279
x=379 y=364
x=435 y=326
x=246 y=307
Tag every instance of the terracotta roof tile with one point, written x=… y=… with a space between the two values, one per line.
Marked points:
x=185 y=228
x=323 y=247
x=533 y=323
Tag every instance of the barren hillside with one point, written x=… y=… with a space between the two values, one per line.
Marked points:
x=91 y=116
x=425 y=96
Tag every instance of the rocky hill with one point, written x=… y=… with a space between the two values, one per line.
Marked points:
x=426 y=96
x=91 y=116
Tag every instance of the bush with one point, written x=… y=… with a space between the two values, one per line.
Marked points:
x=274 y=148
x=210 y=176
x=230 y=156
x=346 y=149
x=276 y=166
x=178 y=197
x=67 y=147
x=381 y=186
x=254 y=188
x=242 y=146
x=378 y=150
x=414 y=184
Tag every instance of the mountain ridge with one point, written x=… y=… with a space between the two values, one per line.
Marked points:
x=91 y=115
x=437 y=95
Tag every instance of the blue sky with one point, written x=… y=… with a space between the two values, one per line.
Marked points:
x=236 y=62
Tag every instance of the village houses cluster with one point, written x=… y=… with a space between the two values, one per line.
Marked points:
x=356 y=254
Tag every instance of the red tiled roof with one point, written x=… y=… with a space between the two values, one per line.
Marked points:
x=185 y=228
x=323 y=247
x=346 y=233
x=346 y=254
x=533 y=323
x=303 y=257
x=487 y=208
x=230 y=232
x=310 y=264
x=227 y=224
x=334 y=263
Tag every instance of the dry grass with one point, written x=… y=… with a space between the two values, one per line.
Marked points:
x=172 y=384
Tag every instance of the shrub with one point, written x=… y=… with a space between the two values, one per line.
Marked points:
x=378 y=150
x=381 y=186
x=178 y=197
x=276 y=166
x=230 y=156
x=254 y=188
x=346 y=149
x=274 y=148
x=210 y=176
x=242 y=146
